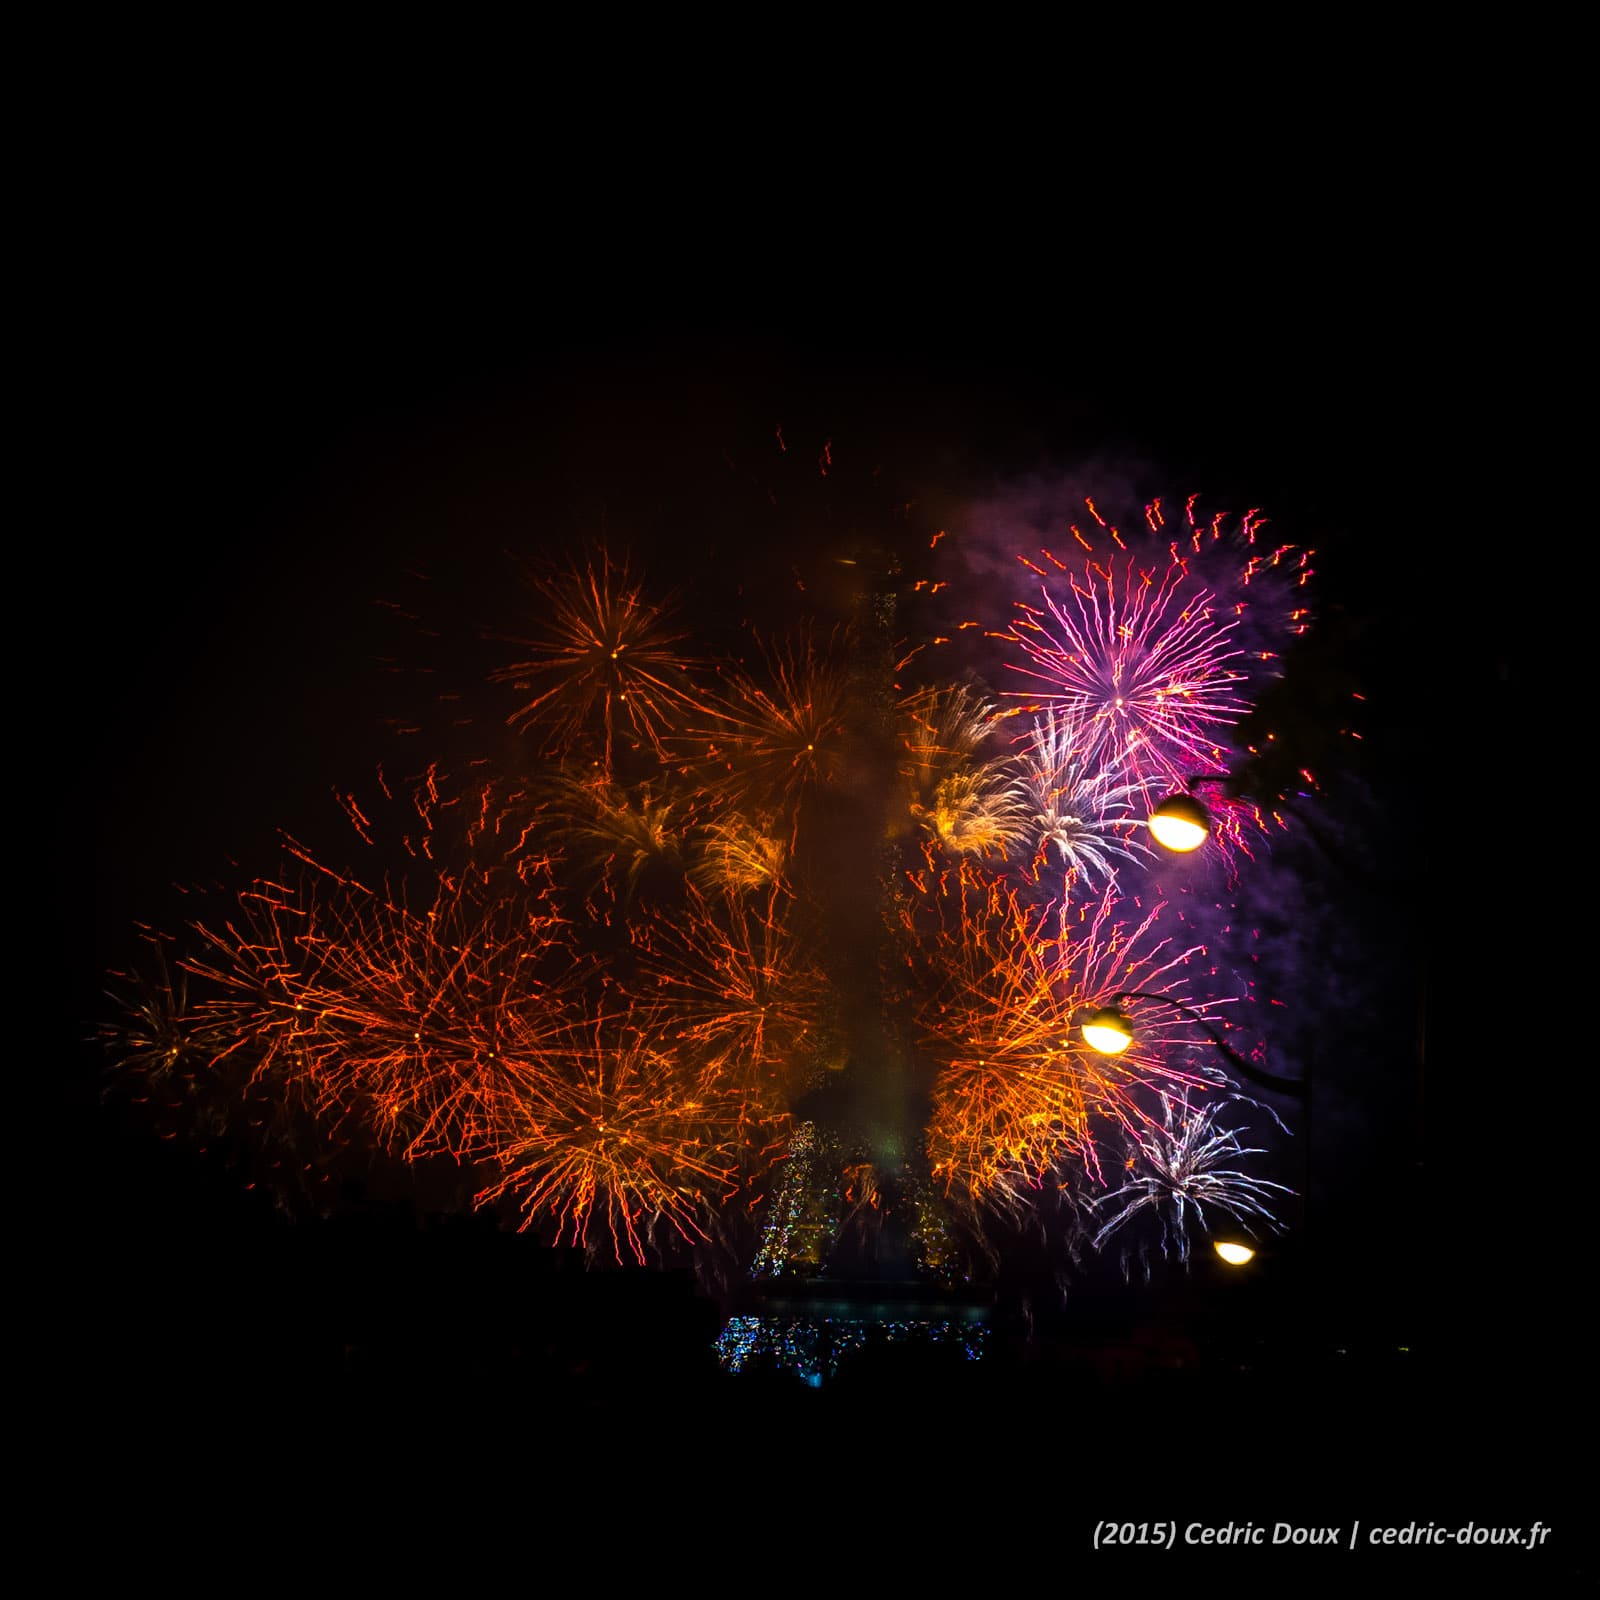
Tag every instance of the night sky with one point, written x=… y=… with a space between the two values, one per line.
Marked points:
x=276 y=445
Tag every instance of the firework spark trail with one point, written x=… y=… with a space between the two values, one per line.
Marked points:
x=983 y=812
x=181 y=1056
x=443 y=1031
x=622 y=1136
x=944 y=729
x=443 y=1014
x=1181 y=1166
x=159 y=1036
x=257 y=963
x=1154 y=638
x=1018 y=1090
x=1259 y=582
x=607 y=656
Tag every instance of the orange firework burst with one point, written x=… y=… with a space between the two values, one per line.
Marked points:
x=768 y=747
x=971 y=804
x=944 y=730
x=623 y=837
x=623 y=1135
x=738 y=856
x=982 y=812
x=739 y=986
x=160 y=1036
x=606 y=659
x=1017 y=1089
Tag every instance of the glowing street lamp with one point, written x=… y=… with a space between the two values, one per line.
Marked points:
x=1180 y=823
x=1109 y=1031
x=1236 y=1255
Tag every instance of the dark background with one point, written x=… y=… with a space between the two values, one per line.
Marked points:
x=273 y=426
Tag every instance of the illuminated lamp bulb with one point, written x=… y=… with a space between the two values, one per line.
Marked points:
x=1108 y=1031
x=1180 y=823
x=1236 y=1255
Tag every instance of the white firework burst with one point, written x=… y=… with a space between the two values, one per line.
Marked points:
x=1084 y=809
x=1180 y=1170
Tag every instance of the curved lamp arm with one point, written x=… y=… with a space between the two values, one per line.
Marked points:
x=1300 y=1087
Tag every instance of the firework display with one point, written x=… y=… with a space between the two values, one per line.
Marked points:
x=619 y=1134
x=970 y=801
x=612 y=835
x=635 y=984
x=1150 y=677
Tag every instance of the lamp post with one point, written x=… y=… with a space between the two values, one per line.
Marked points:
x=1181 y=824
x=1110 y=1031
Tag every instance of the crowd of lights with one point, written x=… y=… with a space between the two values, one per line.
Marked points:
x=813 y=1350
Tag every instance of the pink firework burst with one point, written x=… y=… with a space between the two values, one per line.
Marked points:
x=1149 y=642
x=1142 y=659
